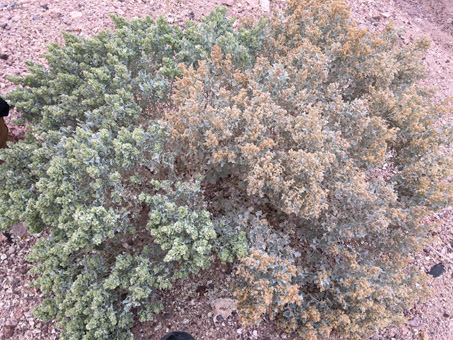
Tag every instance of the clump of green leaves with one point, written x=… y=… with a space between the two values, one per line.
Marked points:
x=96 y=171
x=155 y=147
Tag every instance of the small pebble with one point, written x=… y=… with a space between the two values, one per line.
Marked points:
x=415 y=322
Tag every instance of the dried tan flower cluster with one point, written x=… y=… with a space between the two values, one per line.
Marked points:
x=304 y=132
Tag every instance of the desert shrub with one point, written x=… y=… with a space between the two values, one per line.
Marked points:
x=330 y=138
x=302 y=145
x=96 y=174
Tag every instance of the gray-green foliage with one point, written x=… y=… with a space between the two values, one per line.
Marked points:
x=95 y=171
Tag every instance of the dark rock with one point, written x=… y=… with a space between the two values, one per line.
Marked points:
x=178 y=336
x=437 y=270
x=201 y=290
x=4 y=56
x=44 y=7
x=8 y=236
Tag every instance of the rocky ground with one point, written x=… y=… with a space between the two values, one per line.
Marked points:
x=28 y=26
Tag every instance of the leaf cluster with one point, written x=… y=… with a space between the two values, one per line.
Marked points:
x=96 y=172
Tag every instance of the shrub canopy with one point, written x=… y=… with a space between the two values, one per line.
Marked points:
x=303 y=149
